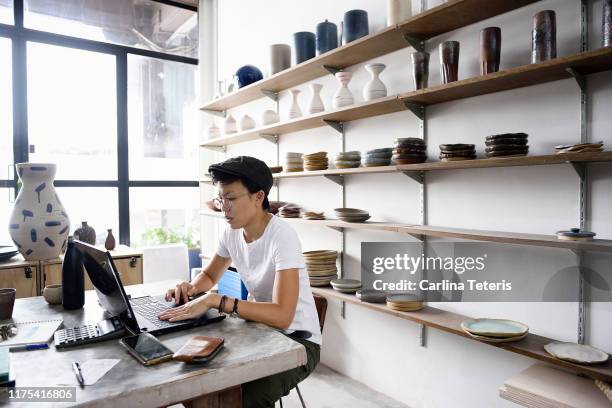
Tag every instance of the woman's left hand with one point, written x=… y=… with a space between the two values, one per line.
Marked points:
x=189 y=310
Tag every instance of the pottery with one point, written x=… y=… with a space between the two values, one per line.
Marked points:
x=280 y=58
x=53 y=294
x=343 y=96
x=38 y=225
x=355 y=25
x=7 y=252
x=420 y=69
x=213 y=131
x=576 y=353
x=544 y=36
x=229 y=125
x=371 y=296
x=350 y=211
x=506 y=135
x=346 y=283
x=85 y=233
x=269 y=117
x=494 y=327
x=246 y=123
x=575 y=234
x=398 y=11
x=304 y=46
x=375 y=88
x=294 y=111
x=606 y=26
x=110 y=243
x=498 y=339
x=7 y=302
x=247 y=75
x=449 y=61
x=490 y=50
x=327 y=37
x=316 y=103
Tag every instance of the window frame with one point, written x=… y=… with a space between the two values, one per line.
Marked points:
x=20 y=36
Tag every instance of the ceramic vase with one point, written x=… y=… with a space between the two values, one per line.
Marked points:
x=38 y=225
x=316 y=103
x=85 y=233
x=213 y=131
x=606 y=26
x=327 y=37
x=110 y=242
x=490 y=50
x=420 y=69
x=544 y=36
x=375 y=88
x=280 y=58
x=304 y=46
x=246 y=123
x=269 y=117
x=398 y=11
x=355 y=25
x=295 y=111
x=449 y=61
x=343 y=96
x=229 y=125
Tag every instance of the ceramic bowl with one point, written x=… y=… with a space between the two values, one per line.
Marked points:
x=53 y=294
x=347 y=210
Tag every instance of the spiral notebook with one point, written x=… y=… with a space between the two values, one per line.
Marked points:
x=31 y=332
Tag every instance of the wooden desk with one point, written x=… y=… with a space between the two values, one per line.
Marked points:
x=252 y=350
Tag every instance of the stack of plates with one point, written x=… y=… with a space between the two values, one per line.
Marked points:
x=371 y=296
x=378 y=157
x=275 y=205
x=289 y=211
x=321 y=266
x=580 y=148
x=312 y=215
x=495 y=330
x=346 y=285
x=576 y=353
x=457 y=151
x=294 y=162
x=576 y=234
x=405 y=302
x=409 y=150
x=507 y=144
x=351 y=214
x=315 y=161
x=348 y=160
x=276 y=169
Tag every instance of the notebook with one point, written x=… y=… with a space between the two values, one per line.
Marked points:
x=32 y=332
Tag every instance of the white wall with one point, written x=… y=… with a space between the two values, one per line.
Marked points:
x=382 y=351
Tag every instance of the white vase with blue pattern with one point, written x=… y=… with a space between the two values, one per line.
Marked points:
x=39 y=226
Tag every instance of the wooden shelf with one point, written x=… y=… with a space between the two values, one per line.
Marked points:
x=438 y=20
x=539 y=240
x=532 y=346
x=583 y=63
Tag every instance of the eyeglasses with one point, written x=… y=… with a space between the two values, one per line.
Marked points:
x=225 y=203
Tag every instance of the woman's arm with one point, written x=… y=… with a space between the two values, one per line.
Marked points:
x=203 y=282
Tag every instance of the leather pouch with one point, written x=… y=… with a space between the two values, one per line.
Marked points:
x=199 y=349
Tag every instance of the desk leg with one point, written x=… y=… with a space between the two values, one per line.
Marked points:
x=228 y=398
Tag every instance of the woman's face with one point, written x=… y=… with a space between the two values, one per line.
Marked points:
x=238 y=206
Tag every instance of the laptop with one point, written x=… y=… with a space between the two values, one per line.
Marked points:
x=137 y=314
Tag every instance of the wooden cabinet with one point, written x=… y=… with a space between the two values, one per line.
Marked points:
x=20 y=275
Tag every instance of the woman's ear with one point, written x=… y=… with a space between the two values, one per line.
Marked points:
x=259 y=197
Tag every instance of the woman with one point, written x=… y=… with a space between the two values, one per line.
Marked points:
x=268 y=255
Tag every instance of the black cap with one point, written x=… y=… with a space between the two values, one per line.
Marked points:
x=248 y=167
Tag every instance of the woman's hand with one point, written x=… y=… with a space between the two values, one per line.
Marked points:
x=191 y=310
x=181 y=292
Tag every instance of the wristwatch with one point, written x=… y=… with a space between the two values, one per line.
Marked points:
x=234 y=312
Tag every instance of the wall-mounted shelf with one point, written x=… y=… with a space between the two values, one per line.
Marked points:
x=584 y=63
x=532 y=346
x=436 y=21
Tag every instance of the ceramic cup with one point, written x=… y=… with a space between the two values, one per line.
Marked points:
x=490 y=50
x=420 y=69
x=449 y=61
x=7 y=301
x=355 y=25
x=544 y=36
x=53 y=294
x=280 y=58
x=304 y=45
x=327 y=37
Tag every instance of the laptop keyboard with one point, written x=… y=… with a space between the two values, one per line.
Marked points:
x=150 y=308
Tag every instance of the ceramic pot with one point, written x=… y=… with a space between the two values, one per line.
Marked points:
x=304 y=46
x=294 y=111
x=269 y=117
x=343 y=96
x=375 y=88
x=398 y=11
x=247 y=75
x=544 y=36
x=110 y=243
x=280 y=58
x=607 y=23
x=229 y=125
x=53 y=294
x=316 y=103
x=449 y=61
x=213 y=131
x=355 y=25
x=85 y=233
x=490 y=50
x=7 y=302
x=420 y=69
x=327 y=37
x=38 y=226
x=246 y=123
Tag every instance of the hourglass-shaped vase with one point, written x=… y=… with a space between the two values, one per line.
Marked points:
x=343 y=96
x=295 y=111
x=375 y=88
x=316 y=103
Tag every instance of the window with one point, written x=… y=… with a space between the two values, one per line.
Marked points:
x=6 y=11
x=6 y=207
x=136 y=23
x=6 y=110
x=80 y=133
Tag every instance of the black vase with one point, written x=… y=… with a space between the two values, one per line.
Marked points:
x=355 y=25
x=73 y=280
x=607 y=23
x=490 y=50
x=544 y=36
x=304 y=44
x=327 y=37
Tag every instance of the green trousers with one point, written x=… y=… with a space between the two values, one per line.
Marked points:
x=264 y=392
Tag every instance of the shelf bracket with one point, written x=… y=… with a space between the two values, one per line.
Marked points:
x=339 y=229
x=416 y=108
x=338 y=179
x=580 y=169
x=270 y=138
x=422 y=335
x=338 y=126
x=216 y=148
x=580 y=79
x=215 y=112
x=332 y=70
x=270 y=94
x=418 y=237
x=416 y=175
x=415 y=42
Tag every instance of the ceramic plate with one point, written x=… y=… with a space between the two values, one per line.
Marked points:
x=494 y=327
x=7 y=252
x=404 y=298
x=498 y=339
x=344 y=290
x=576 y=353
x=371 y=296
x=348 y=283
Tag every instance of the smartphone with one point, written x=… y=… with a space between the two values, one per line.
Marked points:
x=146 y=349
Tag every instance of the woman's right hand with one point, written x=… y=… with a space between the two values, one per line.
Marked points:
x=181 y=293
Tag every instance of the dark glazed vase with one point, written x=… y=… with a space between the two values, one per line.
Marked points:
x=110 y=243
x=420 y=69
x=304 y=46
x=73 y=280
x=355 y=25
x=490 y=50
x=607 y=23
x=544 y=36
x=85 y=233
x=327 y=37
x=449 y=61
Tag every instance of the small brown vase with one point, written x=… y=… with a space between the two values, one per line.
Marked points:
x=544 y=36
x=449 y=61
x=85 y=233
x=110 y=243
x=420 y=69
x=490 y=50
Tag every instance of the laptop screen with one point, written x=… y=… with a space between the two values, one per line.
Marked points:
x=105 y=279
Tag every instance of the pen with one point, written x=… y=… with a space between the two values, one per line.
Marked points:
x=77 y=371
x=29 y=347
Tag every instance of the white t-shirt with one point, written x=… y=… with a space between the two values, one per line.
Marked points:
x=276 y=249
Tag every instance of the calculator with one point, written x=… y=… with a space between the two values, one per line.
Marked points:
x=90 y=333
